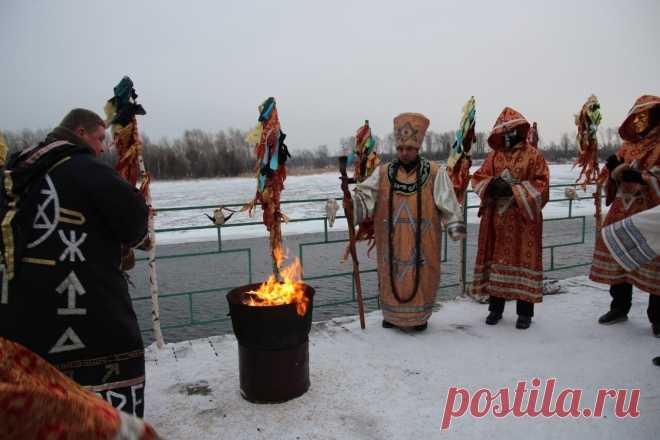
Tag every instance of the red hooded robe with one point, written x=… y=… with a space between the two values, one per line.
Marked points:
x=509 y=258
x=631 y=198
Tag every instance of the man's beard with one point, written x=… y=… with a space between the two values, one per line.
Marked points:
x=410 y=165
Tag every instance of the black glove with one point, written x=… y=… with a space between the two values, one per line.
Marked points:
x=632 y=176
x=612 y=162
x=499 y=187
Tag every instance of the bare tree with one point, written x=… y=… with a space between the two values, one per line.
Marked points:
x=565 y=143
x=428 y=142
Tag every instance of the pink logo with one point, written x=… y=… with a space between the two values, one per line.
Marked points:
x=540 y=402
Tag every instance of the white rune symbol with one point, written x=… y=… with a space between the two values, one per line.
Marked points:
x=47 y=213
x=73 y=287
x=74 y=342
x=72 y=246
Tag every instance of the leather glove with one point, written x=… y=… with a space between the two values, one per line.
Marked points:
x=499 y=188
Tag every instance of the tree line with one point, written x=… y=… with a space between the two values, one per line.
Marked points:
x=202 y=154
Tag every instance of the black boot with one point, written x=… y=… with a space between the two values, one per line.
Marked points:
x=612 y=317
x=421 y=327
x=656 y=361
x=620 y=306
x=523 y=322
x=496 y=308
x=493 y=318
x=387 y=324
x=653 y=313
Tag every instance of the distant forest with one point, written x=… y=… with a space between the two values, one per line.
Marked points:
x=201 y=154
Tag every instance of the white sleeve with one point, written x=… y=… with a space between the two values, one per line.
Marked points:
x=364 y=197
x=445 y=200
x=635 y=240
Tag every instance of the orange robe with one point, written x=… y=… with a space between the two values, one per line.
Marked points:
x=631 y=198
x=438 y=207
x=509 y=259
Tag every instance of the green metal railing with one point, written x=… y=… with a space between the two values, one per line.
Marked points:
x=552 y=248
x=462 y=279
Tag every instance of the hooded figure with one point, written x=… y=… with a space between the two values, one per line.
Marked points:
x=632 y=176
x=410 y=199
x=513 y=186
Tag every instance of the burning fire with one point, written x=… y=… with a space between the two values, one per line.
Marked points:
x=276 y=293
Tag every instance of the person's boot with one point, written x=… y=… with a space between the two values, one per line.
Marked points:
x=612 y=317
x=421 y=327
x=656 y=330
x=387 y=324
x=621 y=302
x=523 y=322
x=656 y=361
x=493 y=318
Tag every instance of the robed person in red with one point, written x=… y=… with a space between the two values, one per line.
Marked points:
x=633 y=186
x=513 y=186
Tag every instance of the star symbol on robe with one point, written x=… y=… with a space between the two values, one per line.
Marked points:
x=403 y=266
x=406 y=132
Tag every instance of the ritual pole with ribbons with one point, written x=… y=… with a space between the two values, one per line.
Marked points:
x=533 y=136
x=365 y=160
x=348 y=210
x=272 y=154
x=121 y=111
x=364 y=157
x=587 y=122
x=458 y=168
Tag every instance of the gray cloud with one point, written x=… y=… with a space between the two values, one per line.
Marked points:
x=208 y=64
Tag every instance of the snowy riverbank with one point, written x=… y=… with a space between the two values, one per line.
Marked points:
x=379 y=383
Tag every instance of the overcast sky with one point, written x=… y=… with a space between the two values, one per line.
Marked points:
x=329 y=64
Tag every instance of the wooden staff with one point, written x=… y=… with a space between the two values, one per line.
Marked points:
x=276 y=244
x=151 y=234
x=130 y=165
x=348 y=209
x=599 y=206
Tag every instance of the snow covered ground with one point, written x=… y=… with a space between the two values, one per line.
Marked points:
x=387 y=384
x=318 y=186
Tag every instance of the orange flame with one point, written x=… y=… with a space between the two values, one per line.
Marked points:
x=276 y=293
x=279 y=256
